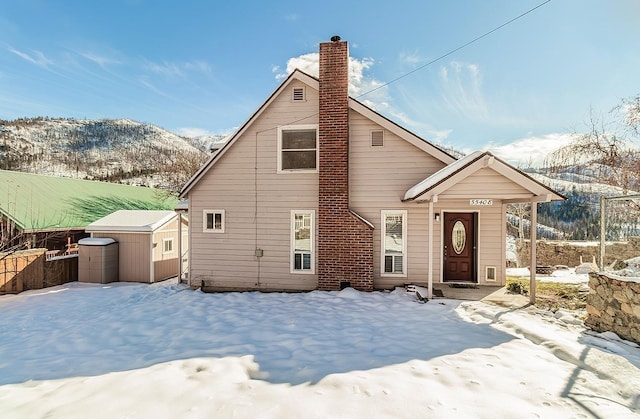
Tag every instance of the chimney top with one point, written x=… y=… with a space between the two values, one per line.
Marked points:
x=335 y=38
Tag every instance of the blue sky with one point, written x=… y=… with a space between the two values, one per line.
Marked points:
x=205 y=66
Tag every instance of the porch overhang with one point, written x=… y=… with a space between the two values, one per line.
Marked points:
x=510 y=186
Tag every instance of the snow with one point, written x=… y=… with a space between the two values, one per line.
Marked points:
x=166 y=351
x=564 y=276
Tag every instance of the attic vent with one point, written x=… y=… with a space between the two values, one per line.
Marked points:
x=377 y=138
x=298 y=93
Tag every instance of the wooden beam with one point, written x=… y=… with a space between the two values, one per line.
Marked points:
x=534 y=235
x=430 y=257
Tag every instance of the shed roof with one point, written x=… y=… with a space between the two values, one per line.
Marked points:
x=36 y=202
x=136 y=221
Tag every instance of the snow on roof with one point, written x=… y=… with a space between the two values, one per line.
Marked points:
x=132 y=220
x=470 y=164
x=441 y=175
x=96 y=241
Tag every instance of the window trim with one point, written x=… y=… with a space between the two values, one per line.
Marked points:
x=204 y=221
x=279 y=148
x=383 y=229
x=292 y=244
x=164 y=246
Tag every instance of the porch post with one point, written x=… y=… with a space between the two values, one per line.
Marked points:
x=533 y=234
x=179 y=247
x=430 y=257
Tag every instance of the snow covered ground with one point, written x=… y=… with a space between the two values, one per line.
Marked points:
x=165 y=351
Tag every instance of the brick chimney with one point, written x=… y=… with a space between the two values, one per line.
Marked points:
x=345 y=241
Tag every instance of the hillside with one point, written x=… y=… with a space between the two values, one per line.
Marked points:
x=113 y=150
x=578 y=218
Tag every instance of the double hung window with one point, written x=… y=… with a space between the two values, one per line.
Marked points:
x=297 y=148
x=394 y=242
x=302 y=241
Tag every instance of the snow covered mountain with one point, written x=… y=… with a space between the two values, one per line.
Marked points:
x=116 y=150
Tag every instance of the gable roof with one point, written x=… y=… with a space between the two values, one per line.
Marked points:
x=137 y=221
x=36 y=202
x=454 y=173
x=359 y=107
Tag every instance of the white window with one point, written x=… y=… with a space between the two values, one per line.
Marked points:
x=394 y=243
x=213 y=221
x=167 y=246
x=297 y=148
x=302 y=241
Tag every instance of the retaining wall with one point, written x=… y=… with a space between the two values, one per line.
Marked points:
x=613 y=305
x=569 y=253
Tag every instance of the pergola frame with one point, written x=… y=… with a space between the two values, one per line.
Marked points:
x=603 y=220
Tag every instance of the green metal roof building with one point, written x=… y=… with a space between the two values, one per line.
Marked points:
x=35 y=203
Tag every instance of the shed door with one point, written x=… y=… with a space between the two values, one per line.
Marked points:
x=459 y=251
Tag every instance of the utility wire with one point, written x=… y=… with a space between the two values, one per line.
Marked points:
x=455 y=50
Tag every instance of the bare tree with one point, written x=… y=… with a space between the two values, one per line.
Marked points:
x=608 y=149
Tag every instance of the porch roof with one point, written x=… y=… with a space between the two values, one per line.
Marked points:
x=454 y=173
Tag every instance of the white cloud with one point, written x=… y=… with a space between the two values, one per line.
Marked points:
x=101 y=60
x=169 y=69
x=530 y=151
x=462 y=90
x=36 y=57
x=359 y=82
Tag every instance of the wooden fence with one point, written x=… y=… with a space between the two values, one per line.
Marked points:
x=30 y=270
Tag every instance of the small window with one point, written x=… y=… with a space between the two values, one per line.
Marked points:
x=377 y=138
x=167 y=246
x=394 y=242
x=213 y=221
x=491 y=273
x=302 y=242
x=298 y=94
x=297 y=148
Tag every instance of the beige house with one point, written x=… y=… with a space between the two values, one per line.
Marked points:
x=148 y=241
x=318 y=191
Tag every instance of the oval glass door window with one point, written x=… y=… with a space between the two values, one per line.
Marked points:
x=458 y=237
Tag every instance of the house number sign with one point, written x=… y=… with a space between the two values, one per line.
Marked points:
x=481 y=202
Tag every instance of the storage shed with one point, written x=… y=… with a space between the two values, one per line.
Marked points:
x=148 y=242
x=98 y=260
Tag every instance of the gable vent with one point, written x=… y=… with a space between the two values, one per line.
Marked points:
x=377 y=138
x=298 y=93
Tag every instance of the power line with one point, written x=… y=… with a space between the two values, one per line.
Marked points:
x=455 y=50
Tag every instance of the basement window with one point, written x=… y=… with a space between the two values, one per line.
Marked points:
x=377 y=138
x=394 y=243
x=298 y=94
x=297 y=148
x=213 y=221
x=302 y=241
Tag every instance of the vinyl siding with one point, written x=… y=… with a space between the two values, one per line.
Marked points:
x=379 y=178
x=485 y=183
x=258 y=201
x=491 y=238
